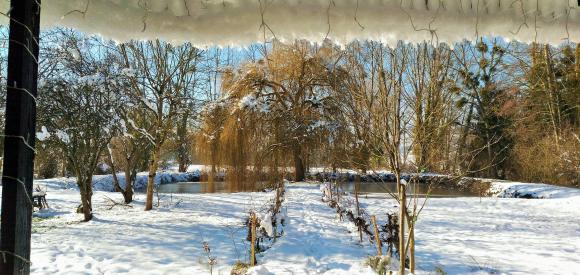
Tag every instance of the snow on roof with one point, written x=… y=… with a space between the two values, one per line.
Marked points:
x=241 y=22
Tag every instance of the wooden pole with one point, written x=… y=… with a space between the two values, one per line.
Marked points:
x=253 y=239
x=377 y=237
x=356 y=186
x=402 y=211
x=19 y=137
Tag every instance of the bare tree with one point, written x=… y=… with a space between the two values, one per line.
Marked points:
x=78 y=107
x=375 y=98
x=162 y=86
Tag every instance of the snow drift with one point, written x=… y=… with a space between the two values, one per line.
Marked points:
x=241 y=22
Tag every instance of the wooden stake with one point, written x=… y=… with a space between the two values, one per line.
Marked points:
x=377 y=237
x=402 y=211
x=356 y=186
x=253 y=244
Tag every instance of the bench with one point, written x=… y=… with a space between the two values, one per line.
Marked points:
x=39 y=199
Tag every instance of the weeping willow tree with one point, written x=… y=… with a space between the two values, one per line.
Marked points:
x=213 y=118
x=229 y=137
x=272 y=114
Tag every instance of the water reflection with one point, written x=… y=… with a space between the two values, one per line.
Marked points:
x=366 y=189
x=210 y=187
x=421 y=190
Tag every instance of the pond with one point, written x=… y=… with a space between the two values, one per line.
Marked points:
x=366 y=189
x=369 y=188
x=208 y=187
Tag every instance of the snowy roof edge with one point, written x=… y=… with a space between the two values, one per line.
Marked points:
x=242 y=22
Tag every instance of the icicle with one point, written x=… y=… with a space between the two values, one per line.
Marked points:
x=452 y=5
x=236 y=22
x=547 y=8
x=433 y=5
x=530 y=7
x=418 y=5
x=406 y=4
x=466 y=6
x=178 y=8
x=492 y=6
x=157 y=5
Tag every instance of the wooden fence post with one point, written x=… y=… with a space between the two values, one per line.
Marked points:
x=356 y=186
x=253 y=239
x=19 y=136
x=377 y=237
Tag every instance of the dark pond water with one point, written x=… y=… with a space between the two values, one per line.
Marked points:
x=366 y=189
x=422 y=190
x=208 y=187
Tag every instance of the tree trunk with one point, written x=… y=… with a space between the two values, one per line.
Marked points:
x=553 y=102
x=299 y=173
x=182 y=152
x=183 y=157
x=182 y=167
x=460 y=163
x=114 y=172
x=129 y=179
x=153 y=165
x=63 y=168
x=86 y=190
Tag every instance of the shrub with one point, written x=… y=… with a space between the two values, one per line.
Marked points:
x=48 y=168
x=239 y=268
x=379 y=264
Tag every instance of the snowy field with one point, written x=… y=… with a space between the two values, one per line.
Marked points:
x=456 y=235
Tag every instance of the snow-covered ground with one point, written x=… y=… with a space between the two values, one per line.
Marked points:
x=510 y=189
x=105 y=182
x=167 y=240
x=456 y=235
x=497 y=235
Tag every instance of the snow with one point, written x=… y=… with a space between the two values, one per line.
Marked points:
x=129 y=72
x=63 y=136
x=266 y=224
x=43 y=134
x=105 y=182
x=258 y=270
x=76 y=55
x=505 y=235
x=498 y=235
x=167 y=240
x=239 y=22
x=457 y=235
x=314 y=242
x=509 y=189
x=248 y=102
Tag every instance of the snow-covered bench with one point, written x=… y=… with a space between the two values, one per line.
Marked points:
x=39 y=199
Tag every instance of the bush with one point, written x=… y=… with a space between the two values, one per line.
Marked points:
x=48 y=168
x=440 y=271
x=379 y=264
x=240 y=268
x=540 y=160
